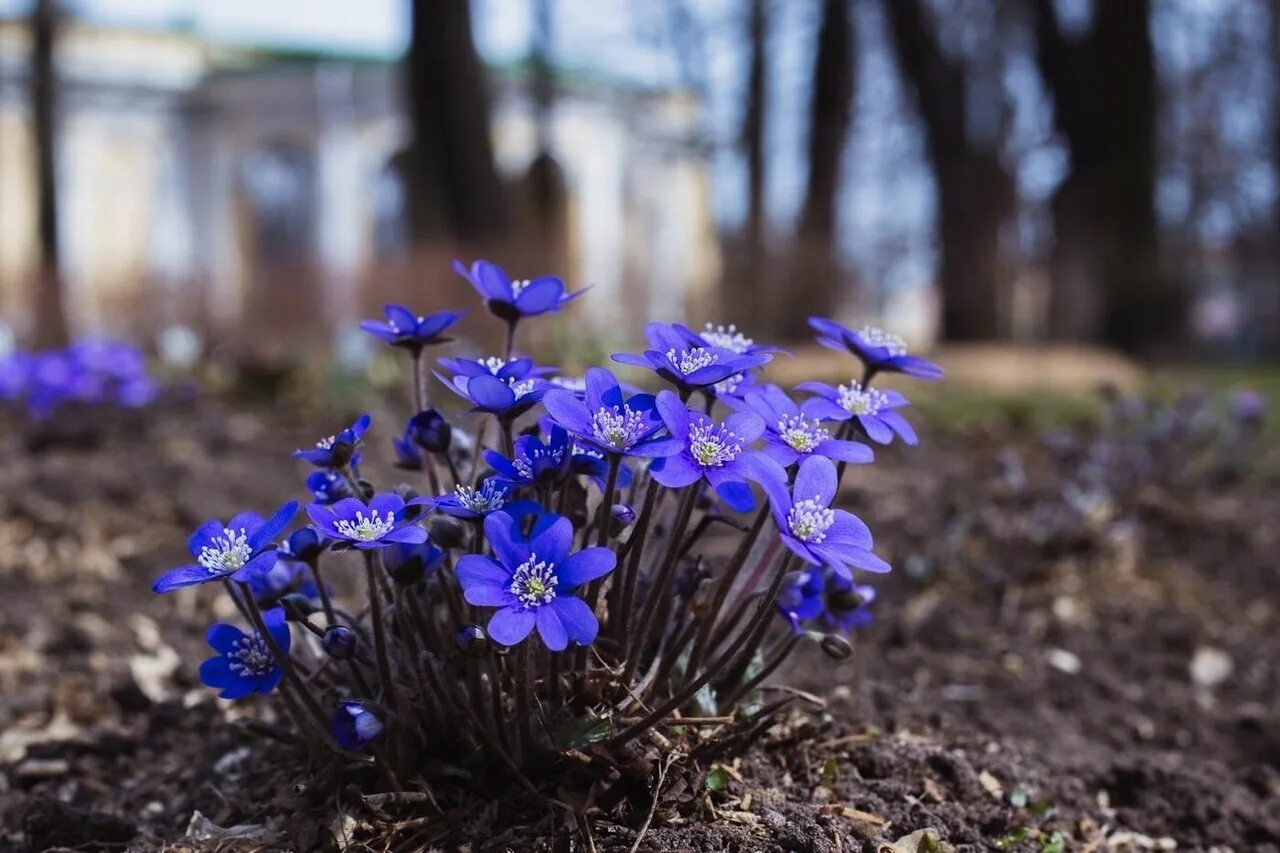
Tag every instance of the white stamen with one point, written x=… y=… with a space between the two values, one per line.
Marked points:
x=801 y=434
x=250 y=656
x=366 y=529
x=857 y=401
x=712 y=446
x=877 y=337
x=534 y=582
x=619 y=428
x=809 y=520
x=487 y=497
x=689 y=360
x=228 y=553
x=727 y=337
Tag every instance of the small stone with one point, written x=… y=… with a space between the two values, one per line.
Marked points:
x=1064 y=661
x=1210 y=666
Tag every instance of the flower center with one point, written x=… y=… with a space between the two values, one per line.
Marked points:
x=517 y=287
x=493 y=364
x=809 y=520
x=520 y=388
x=711 y=446
x=487 y=497
x=534 y=582
x=251 y=656
x=326 y=443
x=366 y=529
x=528 y=464
x=859 y=401
x=802 y=434
x=689 y=360
x=727 y=337
x=877 y=337
x=619 y=428
x=726 y=387
x=570 y=383
x=229 y=552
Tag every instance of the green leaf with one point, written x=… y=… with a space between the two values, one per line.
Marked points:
x=1012 y=838
x=577 y=733
x=717 y=779
x=830 y=772
x=929 y=842
x=1018 y=797
x=1053 y=844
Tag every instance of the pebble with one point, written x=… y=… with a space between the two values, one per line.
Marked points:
x=1210 y=666
x=1064 y=661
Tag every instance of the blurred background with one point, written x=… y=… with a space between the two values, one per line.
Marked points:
x=258 y=176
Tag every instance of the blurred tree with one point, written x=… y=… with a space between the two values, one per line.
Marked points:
x=542 y=191
x=50 y=315
x=1106 y=278
x=976 y=196
x=453 y=183
x=752 y=284
x=816 y=276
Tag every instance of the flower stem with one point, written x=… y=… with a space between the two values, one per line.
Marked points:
x=290 y=672
x=379 y=629
x=627 y=587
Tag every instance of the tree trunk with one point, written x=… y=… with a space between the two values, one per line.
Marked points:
x=815 y=284
x=50 y=316
x=749 y=288
x=1107 y=284
x=976 y=196
x=453 y=182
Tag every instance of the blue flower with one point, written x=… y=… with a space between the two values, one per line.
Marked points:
x=405 y=329
x=337 y=450
x=794 y=432
x=806 y=522
x=800 y=598
x=380 y=523
x=430 y=431
x=510 y=300
x=878 y=350
x=507 y=388
x=355 y=725
x=685 y=360
x=408 y=563
x=468 y=502
x=237 y=550
x=603 y=419
x=408 y=455
x=286 y=576
x=872 y=408
x=716 y=453
x=534 y=461
x=593 y=465
x=328 y=486
x=530 y=581
x=846 y=605
x=244 y=663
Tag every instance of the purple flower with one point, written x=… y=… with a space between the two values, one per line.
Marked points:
x=244 y=663
x=337 y=450
x=530 y=581
x=380 y=523
x=405 y=329
x=408 y=455
x=409 y=563
x=872 y=408
x=806 y=522
x=468 y=502
x=510 y=300
x=603 y=419
x=328 y=486
x=847 y=605
x=794 y=432
x=685 y=360
x=506 y=388
x=236 y=550
x=355 y=725
x=430 y=431
x=534 y=461
x=878 y=350
x=1248 y=407
x=716 y=453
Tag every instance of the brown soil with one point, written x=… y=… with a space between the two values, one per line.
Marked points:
x=1042 y=674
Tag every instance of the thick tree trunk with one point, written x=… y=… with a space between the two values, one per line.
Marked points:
x=1107 y=283
x=453 y=181
x=50 y=316
x=749 y=287
x=976 y=196
x=815 y=284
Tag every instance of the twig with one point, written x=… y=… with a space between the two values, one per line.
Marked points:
x=657 y=793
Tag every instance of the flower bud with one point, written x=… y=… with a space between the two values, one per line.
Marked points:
x=429 y=430
x=623 y=514
x=303 y=544
x=356 y=724
x=836 y=647
x=297 y=606
x=408 y=564
x=339 y=642
x=447 y=532
x=472 y=641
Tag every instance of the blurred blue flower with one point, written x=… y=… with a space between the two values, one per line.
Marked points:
x=237 y=550
x=684 y=359
x=244 y=663
x=878 y=350
x=355 y=725
x=871 y=408
x=511 y=300
x=339 y=449
x=794 y=432
x=405 y=329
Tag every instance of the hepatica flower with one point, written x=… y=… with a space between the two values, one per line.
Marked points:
x=338 y=449
x=501 y=387
x=531 y=581
x=878 y=350
x=687 y=361
x=846 y=605
x=328 y=486
x=795 y=432
x=872 y=408
x=510 y=300
x=355 y=725
x=807 y=523
x=468 y=502
x=382 y=522
x=800 y=598
x=233 y=550
x=405 y=329
x=603 y=419
x=244 y=663
x=715 y=452
x=534 y=461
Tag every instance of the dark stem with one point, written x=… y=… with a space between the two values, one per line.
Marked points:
x=635 y=545
x=379 y=629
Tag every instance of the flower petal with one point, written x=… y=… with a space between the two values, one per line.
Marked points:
x=584 y=566
x=816 y=480
x=579 y=622
x=553 y=543
x=510 y=625
x=551 y=629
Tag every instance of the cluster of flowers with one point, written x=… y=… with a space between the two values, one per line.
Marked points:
x=93 y=372
x=577 y=520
